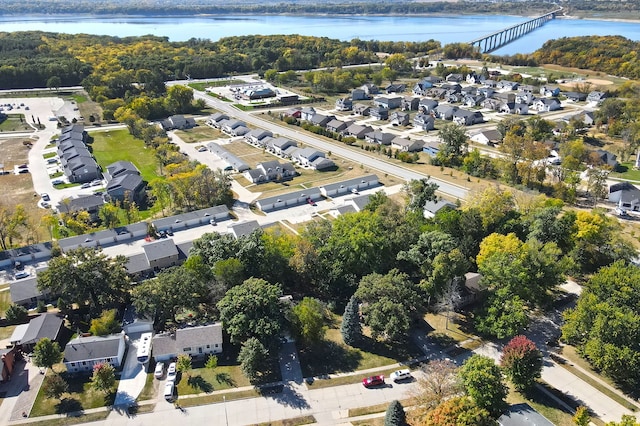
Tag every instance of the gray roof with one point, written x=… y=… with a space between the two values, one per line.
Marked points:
x=309 y=152
x=46 y=325
x=351 y=182
x=210 y=211
x=313 y=193
x=137 y=263
x=281 y=141
x=345 y=209
x=160 y=249
x=243 y=228
x=259 y=134
x=18 y=333
x=92 y=347
x=83 y=202
x=24 y=290
x=128 y=182
x=361 y=201
x=523 y=415
x=169 y=344
x=101 y=235
x=233 y=161
x=435 y=207
x=121 y=167
x=322 y=163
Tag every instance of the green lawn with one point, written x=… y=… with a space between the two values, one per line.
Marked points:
x=544 y=404
x=81 y=396
x=5 y=301
x=6 y=331
x=334 y=356
x=216 y=83
x=199 y=134
x=205 y=380
x=115 y=145
x=14 y=123
x=218 y=397
x=627 y=172
x=49 y=155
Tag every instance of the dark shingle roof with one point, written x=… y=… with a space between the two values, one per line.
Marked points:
x=169 y=344
x=92 y=347
x=46 y=325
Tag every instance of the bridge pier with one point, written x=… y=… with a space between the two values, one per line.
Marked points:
x=494 y=41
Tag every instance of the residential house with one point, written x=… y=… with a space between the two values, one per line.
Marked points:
x=294 y=112
x=270 y=171
x=379 y=137
x=431 y=148
x=421 y=87
x=387 y=102
x=321 y=120
x=230 y=125
x=234 y=162
x=454 y=78
x=431 y=208
x=607 y=158
x=124 y=182
x=596 y=97
x=549 y=91
x=161 y=253
x=351 y=205
x=198 y=342
x=279 y=145
x=508 y=85
x=524 y=98
x=78 y=163
x=306 y=113
x=505 y=96
x=370 y=89
x=356 y=130
x=625 y=195
x=349 y=186
x=178 y=122
x=490 y=83
x=400 y=118
x=410 y=103
x=243 y=229
x=454 y=98
x=305 y=156
x=487 y=92
x=487 y=137
x=575 y=96
x=215 y=119
x=191 y=219
x=296 y=198
x=514 y=108
x=379 y=113
x=427 y=106
x=361 y=109
x=322 y=163
x=26 y=293
x=7 y=359
x=547 y=104
x=473 y=100
x=445 y=112
x=344 y=104
x=521 y=415
x=88 y=203
x=83 y=353
x=473 y=78
x=491 y=104
x=424 y=121
x=436 y=93
x=465 y=117
x=44 y=325
x=471 y=291
x=359 y=95
x=337 y=126
x=257 y=136
x=433 y=79
x=406 y=145
x=451 y=88
x=528 y=88
x=395 y=88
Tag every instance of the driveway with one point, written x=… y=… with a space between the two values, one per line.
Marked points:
x=133 y=376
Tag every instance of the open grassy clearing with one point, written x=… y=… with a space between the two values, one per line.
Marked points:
x=627 y=172
x=20 y=188
x=334 y=356
x=15 y=123
x=6 y=331
x=199 y=133
x=114 y=145
x=544 y=405
x=205 y=380
x=456 y=330
x=218 y=397
x=65 y=421
x=81 y=396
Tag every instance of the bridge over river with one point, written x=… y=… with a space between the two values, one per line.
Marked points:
x=496 y=40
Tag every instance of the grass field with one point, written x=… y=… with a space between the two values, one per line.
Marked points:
x=81 y=396
x=205 y=380
x=544 y=405
x=115 y=145
x=199 y=134
x=627 y=172
x=218 y=397
x=14 y=123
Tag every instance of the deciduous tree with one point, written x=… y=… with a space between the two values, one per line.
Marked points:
x=438 y=383
x=46 y=353
x=522 y=362
x=308 y=320
x=459 y=411
x=54 y=386
x=184 y=364
x=16 y=314
x=104 y=377
x=482 y=380
x=254 y=359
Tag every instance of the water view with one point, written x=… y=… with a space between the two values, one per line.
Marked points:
x=387 y=28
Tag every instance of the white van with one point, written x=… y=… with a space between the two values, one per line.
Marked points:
x=169 y=391
x=400 y=375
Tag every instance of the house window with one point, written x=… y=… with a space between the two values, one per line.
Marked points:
x=73 y=364
x=84 y=362
x=208 y=346
x=216 y=345
x=186 y=350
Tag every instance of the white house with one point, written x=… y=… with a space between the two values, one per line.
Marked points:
x=82 y=353
x=195 y=341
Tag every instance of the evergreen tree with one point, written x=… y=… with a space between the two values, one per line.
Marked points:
x=351 y=329
x=395 y=414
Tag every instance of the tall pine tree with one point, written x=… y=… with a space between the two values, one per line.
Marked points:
x=395 y=415
x=351 y=329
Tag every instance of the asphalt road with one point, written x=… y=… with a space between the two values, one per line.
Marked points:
x=355 y=156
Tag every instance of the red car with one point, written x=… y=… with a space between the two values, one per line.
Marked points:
x=372 y=381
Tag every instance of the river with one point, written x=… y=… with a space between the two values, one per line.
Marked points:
x=446 y=29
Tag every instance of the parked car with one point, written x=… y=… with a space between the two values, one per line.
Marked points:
x=46 y=205
x=22 y=274
x=85 y=185
x=373 y=381
x=400 y=375
x=45 y=196
x=23 y=171
x=23 y=166
x=96 y=182
x=171 y=372
x=57 y=182
x=159 y=372
x=169 y=391
x=202 y=149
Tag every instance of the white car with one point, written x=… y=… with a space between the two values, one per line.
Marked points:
x=171 y=372
x=400 y=375
x=159 y=372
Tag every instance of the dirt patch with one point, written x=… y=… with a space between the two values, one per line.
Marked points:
x=594 y=81
x=18 y=189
